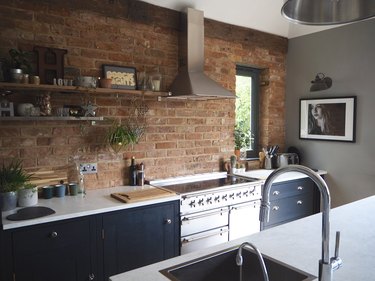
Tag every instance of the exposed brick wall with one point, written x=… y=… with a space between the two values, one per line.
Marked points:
x=183 y=137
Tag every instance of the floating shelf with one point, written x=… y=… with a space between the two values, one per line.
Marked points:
x=76 y=89
x=50 y=118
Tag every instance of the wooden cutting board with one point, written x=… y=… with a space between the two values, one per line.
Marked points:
x=141 y=195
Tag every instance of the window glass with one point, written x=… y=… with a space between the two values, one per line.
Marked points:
x=247 y=92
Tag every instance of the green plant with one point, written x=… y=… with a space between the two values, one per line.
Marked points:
x=20 y=59
x=29 y=185
x=13 y=177
x=241 y=137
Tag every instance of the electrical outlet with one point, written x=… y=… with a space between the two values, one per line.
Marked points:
x=88 y=168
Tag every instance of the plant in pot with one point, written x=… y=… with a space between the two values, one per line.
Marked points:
x=12 y=178
x=20 y=64
x=241 y=140
x=28 y=195
x=119 y=136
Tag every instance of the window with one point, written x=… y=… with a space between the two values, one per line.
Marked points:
x=247 y=109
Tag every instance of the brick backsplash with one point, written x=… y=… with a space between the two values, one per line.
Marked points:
x=182 y=137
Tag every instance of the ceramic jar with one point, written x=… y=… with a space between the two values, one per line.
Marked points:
x=27 y=197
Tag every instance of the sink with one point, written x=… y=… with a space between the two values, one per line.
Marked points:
x=221 y=266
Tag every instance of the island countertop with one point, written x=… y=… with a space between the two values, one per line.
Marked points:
x=299 y=244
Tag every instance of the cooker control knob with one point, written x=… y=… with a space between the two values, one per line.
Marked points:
x=239 y=194
x=225 y=197
x=192 y=203
x=209 y=200
x=231 y=196
x=200 y=202
x=245 y=193
x=217 y=199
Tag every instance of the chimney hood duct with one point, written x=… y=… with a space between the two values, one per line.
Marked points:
x=191 y=82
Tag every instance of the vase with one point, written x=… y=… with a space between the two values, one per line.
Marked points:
x=27 y=197
x=8 y=200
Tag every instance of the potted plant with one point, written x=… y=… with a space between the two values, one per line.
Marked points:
x=119 y=136
x=19 y=64
x=241 y=140
x=28 y=195
x=12 y=178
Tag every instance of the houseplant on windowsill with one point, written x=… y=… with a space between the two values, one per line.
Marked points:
x=12 y=178
x=241 y=140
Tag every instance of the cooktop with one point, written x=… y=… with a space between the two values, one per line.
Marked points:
x=186 y=187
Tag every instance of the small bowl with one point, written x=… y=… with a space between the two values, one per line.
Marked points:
x=25 y=109
x=105 y=82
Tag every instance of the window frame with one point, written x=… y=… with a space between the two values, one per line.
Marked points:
x=254 y=73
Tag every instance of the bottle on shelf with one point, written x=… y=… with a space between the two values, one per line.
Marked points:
x=133 y=173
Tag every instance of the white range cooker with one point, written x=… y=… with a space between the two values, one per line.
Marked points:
x=215 y=208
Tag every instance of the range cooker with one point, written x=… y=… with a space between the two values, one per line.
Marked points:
x=215 y=208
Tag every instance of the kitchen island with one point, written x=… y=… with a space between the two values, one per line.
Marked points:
x=298 y=244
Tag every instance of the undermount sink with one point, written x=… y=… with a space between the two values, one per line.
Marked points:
x=221 y=266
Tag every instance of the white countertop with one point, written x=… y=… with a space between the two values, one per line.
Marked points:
x=262 y=174
x=94 y=202
x=100 y=201
x=298 y=244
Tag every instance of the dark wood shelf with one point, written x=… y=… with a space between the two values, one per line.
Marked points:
x=76 y=89
x=50 y=118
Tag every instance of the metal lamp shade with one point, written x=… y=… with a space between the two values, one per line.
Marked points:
x=327 y=12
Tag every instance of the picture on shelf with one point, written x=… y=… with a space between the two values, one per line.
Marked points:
x=123 y=77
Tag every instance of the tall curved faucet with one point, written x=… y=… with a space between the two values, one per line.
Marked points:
x=326 y=265
x=239 y=259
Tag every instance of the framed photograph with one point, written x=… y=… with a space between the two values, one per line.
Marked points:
x=123 y=77
x=328 y=119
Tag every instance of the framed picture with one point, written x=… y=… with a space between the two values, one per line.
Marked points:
x=328 y=119
x=123 y=77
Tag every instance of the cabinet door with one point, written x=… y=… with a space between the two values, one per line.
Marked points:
x=56 y=251
x=136 y=237
x=244 y=219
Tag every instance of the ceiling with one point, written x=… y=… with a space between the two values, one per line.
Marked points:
x=263 y=15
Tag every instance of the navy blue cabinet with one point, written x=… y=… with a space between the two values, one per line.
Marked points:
x=291 y=200
x=92 y=247
x=59 y=251
x=139 y=236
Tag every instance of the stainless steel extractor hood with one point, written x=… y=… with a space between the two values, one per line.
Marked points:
x=191 y=82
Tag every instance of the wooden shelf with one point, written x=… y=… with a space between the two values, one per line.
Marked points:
x=50 y=118
x=76 y=89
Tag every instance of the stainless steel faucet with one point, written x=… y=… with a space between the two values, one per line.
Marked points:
x=326 y=265
x=239 y=259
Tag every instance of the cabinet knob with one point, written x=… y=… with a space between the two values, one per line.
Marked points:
x=168 y=221
x=299 y=202
x=276 y=192
x=275 y=208
x=53 y=234
x=91 y=276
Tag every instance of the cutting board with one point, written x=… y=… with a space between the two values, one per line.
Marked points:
x=45 y=176
x=141 y=195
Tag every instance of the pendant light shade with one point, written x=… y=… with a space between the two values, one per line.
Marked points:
x=327 y=12
x=320 y=83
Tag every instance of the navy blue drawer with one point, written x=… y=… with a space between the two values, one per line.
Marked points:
x=291 y=208
x=291 y=188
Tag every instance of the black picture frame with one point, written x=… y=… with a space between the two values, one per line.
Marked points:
x=123 y=77
x=332 y=119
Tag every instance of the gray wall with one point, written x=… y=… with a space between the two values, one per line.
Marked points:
x=347 y=55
